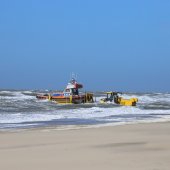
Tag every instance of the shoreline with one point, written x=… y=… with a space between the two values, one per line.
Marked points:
x=78 y=127
x=133 y=146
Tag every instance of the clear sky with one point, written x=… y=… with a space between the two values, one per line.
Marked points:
x=119 y=45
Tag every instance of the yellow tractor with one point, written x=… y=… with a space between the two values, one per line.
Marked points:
x=114 y=96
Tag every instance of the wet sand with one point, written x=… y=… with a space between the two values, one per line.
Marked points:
x=129 y=147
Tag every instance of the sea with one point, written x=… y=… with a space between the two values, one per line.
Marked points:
x=19 y=109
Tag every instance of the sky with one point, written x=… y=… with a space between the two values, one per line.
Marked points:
x=110 y=45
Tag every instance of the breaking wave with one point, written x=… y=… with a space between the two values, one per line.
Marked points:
x=21 y=109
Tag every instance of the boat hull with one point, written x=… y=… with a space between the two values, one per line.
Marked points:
x=42 y=97
x=68 y=100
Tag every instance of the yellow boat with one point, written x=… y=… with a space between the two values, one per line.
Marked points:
x=113 y=96
x=127 y=102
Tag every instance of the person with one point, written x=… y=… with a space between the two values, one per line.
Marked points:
x=75 y=92
x=116 y=97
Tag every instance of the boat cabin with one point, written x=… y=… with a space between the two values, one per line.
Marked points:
x=72 y=88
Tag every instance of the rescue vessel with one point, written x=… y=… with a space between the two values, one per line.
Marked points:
x=70 y=95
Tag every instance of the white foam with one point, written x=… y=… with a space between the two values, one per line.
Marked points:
x=17 y=96
x=21 y=118
x=121 y=114
x=80 y=113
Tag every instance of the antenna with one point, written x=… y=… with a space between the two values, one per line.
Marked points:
x=76 y=76
x=73 y=76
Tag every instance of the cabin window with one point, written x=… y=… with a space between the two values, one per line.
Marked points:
x=67 y=90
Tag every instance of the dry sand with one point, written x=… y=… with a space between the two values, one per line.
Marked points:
x=129 y=147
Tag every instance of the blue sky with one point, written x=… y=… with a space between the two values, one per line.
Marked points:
x=111 y=45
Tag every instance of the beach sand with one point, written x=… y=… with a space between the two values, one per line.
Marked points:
x=128 y=147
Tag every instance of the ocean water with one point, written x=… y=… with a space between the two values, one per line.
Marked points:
x=21 y=109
